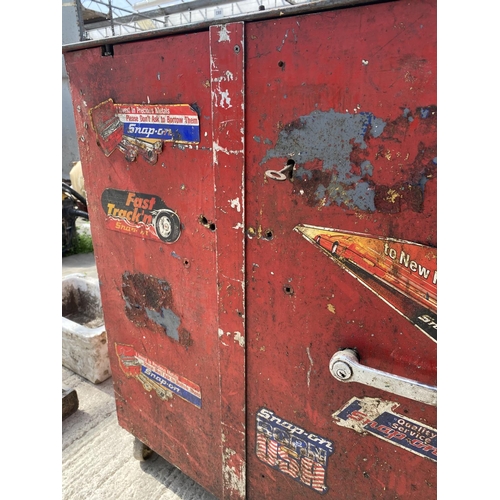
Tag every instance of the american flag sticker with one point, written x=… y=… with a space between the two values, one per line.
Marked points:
x=292 y=450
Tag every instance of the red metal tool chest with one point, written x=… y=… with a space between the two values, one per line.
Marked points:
x=262 y=195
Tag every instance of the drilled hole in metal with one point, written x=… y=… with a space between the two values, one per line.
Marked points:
x=205 y=222
x=288 y=290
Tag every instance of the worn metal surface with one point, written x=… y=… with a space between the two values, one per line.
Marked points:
x=159 y=297
x=227 y=56
x=348 y=96
x=307 y=224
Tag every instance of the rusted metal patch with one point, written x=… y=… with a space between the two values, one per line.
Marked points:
x=149 y=303
x=155 y=377
x=292 y=450
x=336 y=155
x=401 y=273
x=376 y=417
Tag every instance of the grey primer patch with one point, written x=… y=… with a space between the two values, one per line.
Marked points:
x=367 y=168
x=330 y=137
x=168 y=320
x=424 y=113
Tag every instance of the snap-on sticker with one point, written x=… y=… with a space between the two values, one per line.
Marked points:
x=401 y=273
x=154 y=377
x=292 y=450
x=140 y=214
x=376 y=417
x=140 y=129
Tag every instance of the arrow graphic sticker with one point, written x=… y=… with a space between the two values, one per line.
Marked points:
x=401 y=273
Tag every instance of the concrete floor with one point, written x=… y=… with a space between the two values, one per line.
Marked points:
x=97 y=457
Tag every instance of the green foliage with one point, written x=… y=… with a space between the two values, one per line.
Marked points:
x=83 y=244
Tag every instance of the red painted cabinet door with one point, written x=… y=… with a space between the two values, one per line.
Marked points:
x=262 y=197
x=163 y=198
x=341 y=251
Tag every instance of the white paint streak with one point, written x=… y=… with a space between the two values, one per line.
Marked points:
x=222 y=99
x=239 y=338
x=225 y=100
x=235 y=204
x=224 y=34
x=283 y=42
x=217 y=149
x=232 y=279
x=224 y=122
x=239 y=225
x=310 y=366
x=233 y=479
x=225 y=77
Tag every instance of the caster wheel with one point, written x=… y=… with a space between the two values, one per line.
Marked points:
x=141 y=451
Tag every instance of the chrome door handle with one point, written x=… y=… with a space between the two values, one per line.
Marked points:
x=344 y=366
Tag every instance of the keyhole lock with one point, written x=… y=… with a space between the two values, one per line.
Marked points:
x=341 y=371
